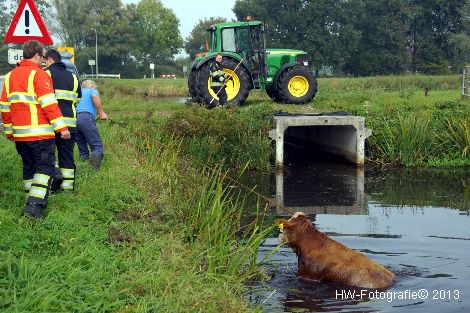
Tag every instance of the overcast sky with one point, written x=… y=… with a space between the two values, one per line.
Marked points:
x=189 y=12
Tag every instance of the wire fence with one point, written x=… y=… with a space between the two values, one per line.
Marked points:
x=118 y=76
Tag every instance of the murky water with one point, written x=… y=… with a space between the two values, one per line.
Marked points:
x=415 y=222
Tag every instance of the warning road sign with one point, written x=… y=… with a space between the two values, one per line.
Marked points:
x=27 y=24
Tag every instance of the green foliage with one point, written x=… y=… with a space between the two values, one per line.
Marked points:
x=195 y=42
x=460 y=45
x=380 y=48
x=432 y=25
x=366 y=37
x=231 y=247
x=159 y=38
x=239 y=137
x=233 y=138
x=407 y=142
x=457 y=135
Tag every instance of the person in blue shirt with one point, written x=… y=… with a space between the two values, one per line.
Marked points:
x=87 y=132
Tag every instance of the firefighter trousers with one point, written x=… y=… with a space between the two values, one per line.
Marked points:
x=221 y=93
x=66 y=164
x=38 y=167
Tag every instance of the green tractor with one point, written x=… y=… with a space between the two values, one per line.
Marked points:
x=283 y=73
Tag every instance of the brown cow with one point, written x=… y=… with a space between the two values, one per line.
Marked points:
x=321 y=258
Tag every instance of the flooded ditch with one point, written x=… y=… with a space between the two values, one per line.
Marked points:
x=416 y=222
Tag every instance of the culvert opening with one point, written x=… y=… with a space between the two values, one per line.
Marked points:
x=322 y=157
x=320 y=145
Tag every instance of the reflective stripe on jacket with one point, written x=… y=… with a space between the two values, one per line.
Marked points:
x=67 y=91
x=29 y=108
x=217 y=74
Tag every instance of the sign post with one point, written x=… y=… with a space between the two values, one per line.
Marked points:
x=152 y=68
x=91 y=63
x=185 y=70
x=27 y=24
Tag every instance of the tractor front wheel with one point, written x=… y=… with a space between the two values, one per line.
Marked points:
x=237 y=88
x=297 y=85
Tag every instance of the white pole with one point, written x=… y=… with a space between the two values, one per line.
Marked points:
x=96 y=50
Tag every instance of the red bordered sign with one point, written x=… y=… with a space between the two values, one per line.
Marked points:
x=27 y=24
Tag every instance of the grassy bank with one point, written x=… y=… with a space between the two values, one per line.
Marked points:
x=150 y=232
x=416 y=120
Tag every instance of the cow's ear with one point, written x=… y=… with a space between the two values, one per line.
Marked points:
x=283 y=223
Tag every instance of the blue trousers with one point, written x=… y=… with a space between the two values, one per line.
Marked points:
x=88 y=136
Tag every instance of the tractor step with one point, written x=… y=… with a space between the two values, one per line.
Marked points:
x=256 y=81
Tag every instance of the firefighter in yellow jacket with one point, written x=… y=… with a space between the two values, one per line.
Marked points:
x=31 y=116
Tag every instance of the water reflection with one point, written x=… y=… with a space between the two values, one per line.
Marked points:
x=338 y=189
x=415 y=222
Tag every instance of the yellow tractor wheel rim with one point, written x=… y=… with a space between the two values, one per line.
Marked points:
x=232 y=87
x=298 y=86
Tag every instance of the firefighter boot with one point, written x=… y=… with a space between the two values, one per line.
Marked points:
x=57 y=180
x=34 y=210
x=95 y=161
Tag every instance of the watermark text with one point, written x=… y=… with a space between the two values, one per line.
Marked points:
x=391 y=296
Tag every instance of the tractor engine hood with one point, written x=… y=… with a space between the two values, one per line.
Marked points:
x=284 y=52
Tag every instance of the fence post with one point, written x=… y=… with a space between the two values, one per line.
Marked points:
x=466 y=82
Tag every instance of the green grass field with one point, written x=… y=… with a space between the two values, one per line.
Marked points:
x=155 y=230
x=416 y=120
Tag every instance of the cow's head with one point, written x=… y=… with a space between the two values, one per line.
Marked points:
x=292 y=230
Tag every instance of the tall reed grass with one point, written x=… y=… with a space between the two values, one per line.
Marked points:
x=409 y=142
x=457 y=135
x=216 y=222
x=212 y=213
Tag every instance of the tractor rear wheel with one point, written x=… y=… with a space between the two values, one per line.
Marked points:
x=192 y=86
x=237 y=88
x=297 y=85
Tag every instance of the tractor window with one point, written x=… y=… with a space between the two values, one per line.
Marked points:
x=243 y=40
x=228 y=40
x=213 y=41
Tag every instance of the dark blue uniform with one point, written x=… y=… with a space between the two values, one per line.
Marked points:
x=68 y=93
x=218 y=81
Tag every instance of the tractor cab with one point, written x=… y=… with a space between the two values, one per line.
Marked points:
x=247 y=41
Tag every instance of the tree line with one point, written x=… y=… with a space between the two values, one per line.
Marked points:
x=344 y=37
x=369 y=37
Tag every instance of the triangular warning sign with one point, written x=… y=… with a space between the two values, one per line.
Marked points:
x=27 y=24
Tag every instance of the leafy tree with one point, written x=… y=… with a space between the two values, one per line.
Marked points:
x=75 y=19
x=381 y=48
x=323 y=28
x=195 y=42
x=433 y=24
x=113 y=22
x=158 y=36
x=5 y=18
x=334 y=38
x=116 y=35
x=460 y=43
